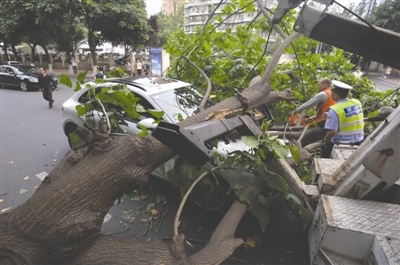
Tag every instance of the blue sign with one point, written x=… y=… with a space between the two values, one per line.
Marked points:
x=156 y=61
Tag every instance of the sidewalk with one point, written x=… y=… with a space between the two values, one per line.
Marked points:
x=394 y=80
x=66 y=72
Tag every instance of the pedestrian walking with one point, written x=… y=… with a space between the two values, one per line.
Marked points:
x=74 y=66
x=139 y=67
x=101 y=74
x=388 y=72
x=127 y=67
x=358 y=72
x=47 y=84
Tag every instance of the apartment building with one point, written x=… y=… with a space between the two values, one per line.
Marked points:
x=170 y=7
x=198 y=12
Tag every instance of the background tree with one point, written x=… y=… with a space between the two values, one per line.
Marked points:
x=171 y=22
x=15 y=20
x=66 y=27
x=154 y=39
x=120 y=22
x=59 y=23
x=386 y=15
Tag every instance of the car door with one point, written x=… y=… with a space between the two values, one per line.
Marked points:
x=131 y=123
x=8 y=77
x=2 y=75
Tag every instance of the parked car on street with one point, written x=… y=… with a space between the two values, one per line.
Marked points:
x=24 y=77
x=11 y=63
x=176 y=99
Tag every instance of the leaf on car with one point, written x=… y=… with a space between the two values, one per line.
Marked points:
x=143 y=220
x=65 y=80
x=26 y=178
x=156 y=113
x=1 y=200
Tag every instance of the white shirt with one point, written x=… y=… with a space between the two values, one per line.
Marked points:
x=358 y=74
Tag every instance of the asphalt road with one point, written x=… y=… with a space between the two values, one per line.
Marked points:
x=32 y=141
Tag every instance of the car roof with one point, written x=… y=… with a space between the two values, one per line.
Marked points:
x=149 y=84
x=12 y=63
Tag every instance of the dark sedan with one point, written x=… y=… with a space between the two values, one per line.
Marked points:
x=24 y=77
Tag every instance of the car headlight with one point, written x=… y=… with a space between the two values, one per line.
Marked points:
x=33 y=80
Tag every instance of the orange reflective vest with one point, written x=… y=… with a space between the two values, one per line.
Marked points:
x=324 y=106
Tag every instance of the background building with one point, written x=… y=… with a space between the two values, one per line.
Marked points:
x=198 y=12
x=171 y=7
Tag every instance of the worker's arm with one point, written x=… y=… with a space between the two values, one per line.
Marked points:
x=315 y=100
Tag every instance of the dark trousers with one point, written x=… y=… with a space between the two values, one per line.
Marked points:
x=48 y=95
x=327 y=150
x=75 y=69
x=314 y=135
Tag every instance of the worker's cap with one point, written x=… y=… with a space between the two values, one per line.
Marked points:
x=340 y=85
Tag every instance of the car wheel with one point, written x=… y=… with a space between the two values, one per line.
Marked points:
x=212 y=199
x=23 y=85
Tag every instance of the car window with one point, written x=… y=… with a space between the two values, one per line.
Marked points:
x=146 y=105
x=10 y=71
x=183 y=101
x=28 y=70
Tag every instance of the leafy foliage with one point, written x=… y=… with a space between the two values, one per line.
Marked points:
x=231 y=58
x=62 y=24
x=386 y=15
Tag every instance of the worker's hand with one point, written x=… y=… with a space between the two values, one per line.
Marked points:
x=311 y=118
x=325 y=115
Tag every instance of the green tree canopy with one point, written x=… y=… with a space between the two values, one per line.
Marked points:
x=387 y=15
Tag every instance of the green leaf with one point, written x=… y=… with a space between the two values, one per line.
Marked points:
x=262 y=216
x=251 y=141
x=75 y=139
x=81 y=77
x=156 y=113
x=144 y=131
x=294 y=150
x=280 y=151
x=65 y=80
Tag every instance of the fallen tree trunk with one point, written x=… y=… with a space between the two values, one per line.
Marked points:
x=60 y=223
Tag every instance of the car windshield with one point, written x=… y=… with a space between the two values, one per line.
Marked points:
x=27 y=70
x=182 y=101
